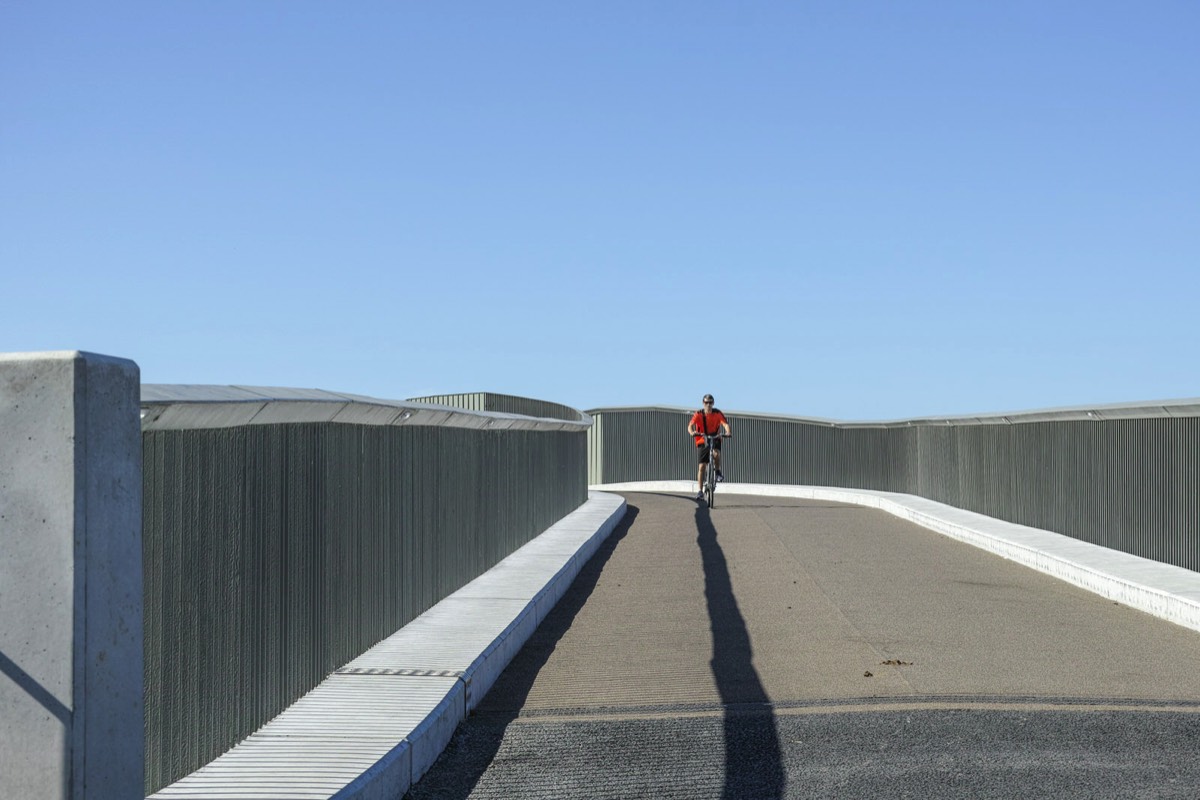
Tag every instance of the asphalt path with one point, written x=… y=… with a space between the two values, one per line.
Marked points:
x=775 y=648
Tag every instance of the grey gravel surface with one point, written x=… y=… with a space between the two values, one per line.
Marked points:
x=786 y=648
x=914 y=754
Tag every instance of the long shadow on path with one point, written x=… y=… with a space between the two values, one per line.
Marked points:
x=753 y=761
x=753 y=765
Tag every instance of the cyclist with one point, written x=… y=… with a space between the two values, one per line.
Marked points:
x=708 y=420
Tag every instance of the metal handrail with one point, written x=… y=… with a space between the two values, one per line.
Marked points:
x=188 y=406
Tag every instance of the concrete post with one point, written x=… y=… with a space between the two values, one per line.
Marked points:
x=71 y=720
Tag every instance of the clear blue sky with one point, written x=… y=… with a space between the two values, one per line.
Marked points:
x=858 y=210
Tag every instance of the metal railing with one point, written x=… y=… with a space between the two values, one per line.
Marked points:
x=1121 y=476
x=285 y=532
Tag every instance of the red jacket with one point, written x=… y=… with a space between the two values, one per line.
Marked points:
x=710 y=423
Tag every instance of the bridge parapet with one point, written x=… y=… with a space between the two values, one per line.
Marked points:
x=289 y=530
x=246 y=540
x=180 y=406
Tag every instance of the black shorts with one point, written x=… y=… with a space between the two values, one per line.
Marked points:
x=703 y=449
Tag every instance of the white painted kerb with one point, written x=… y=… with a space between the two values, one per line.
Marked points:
x=376 y=725
x=1166 y=591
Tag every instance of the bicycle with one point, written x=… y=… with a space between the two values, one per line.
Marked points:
x=710 y=467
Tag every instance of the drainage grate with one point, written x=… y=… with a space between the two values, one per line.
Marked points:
x=410 y=673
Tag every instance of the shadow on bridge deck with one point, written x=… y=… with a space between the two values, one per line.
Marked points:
x=776 y=647
x=474 y=748
x=753 y=763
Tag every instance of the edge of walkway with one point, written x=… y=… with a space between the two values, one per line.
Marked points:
x=374 y=727
x=1166 y=591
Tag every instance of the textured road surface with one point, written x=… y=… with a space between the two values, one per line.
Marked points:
x=775 y=648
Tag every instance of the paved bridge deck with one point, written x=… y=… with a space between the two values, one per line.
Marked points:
x=777 y=647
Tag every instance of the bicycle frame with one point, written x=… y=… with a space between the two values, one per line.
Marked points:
x=710 y=468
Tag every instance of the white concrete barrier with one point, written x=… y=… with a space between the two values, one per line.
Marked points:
x=70 y=577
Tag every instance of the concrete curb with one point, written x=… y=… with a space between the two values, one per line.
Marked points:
x=375 y=726
x=1169 y=592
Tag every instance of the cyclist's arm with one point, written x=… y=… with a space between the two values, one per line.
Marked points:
x=692 y=429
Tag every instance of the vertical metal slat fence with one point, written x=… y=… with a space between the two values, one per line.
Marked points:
x=275 y=553
x=1131 y=482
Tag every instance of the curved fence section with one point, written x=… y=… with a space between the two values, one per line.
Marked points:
x=507 y=403
x=285 y=532
x=1125 y=477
